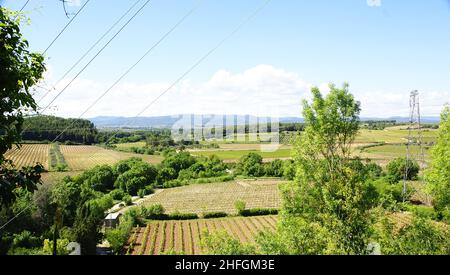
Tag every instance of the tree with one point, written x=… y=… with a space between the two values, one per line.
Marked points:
x=397 y=168
x=438 y=175
x=20 y=69
x=329 y=194
x=251 y=165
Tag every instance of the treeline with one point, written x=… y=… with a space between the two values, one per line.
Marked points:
x=66 y=130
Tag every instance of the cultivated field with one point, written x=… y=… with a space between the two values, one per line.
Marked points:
x=218 y=197
x=235 y=155
x=184 y=237
x=82 y=157
x=29 y=155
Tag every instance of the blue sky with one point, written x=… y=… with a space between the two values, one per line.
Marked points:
x=383 y=48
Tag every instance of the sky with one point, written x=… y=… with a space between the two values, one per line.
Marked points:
x=384 y=49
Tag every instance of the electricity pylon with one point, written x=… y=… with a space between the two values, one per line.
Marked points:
x=415 y=138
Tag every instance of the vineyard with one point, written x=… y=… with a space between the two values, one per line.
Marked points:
x=218 y=197
x=184 y=237
x=82 y=157
x=29 y=155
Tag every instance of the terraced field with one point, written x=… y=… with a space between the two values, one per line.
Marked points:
x=212 y=197
x=82 y=157
x=184 y=237
x=29 y=155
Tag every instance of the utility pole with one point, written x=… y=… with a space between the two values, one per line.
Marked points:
x=415 y=138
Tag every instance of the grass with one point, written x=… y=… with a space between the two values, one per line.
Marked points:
x=391 y=151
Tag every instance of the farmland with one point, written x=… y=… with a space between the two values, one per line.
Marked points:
x=77 y=157
x=234 y=155
x=215 y=197
x=82 y=157
x=184 y=237
x=29 y=155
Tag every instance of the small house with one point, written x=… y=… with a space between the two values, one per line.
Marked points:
x=112 y=220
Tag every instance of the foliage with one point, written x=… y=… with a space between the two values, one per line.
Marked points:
x=20 y=70
x=421 y=237
x=43 y=127
x=118 y=236
x=438 y=175
x=397 y=168
x=251 y=165
x=258 y=212
x=117 y=194
x=221 y=243
x=127 y=200
x=239 y=205
x=274 y=168
x=100 y=178
x=61 y=247
x=212 y=215
x=289 y=170
x=330 y=190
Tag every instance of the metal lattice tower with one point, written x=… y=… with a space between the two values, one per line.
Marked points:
x=415 y=137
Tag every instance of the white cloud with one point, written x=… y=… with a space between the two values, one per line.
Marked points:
x=261 y=90
x=374 y=3
x=75 y=3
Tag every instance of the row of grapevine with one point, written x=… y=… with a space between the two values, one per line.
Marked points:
x=184 y=237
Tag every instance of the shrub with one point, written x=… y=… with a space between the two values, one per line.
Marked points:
x=251 y=165
x=141 y=193
x=289 y=170
x=117 y=194
x=127 y=200
x=212 y=215
x=240 y=206
x=182 y=216
x=258 y=212
x=274 y=168
x=396 y=170
x=153 y=212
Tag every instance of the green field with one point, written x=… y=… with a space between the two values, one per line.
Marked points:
x=233 y=155
x=392 y=136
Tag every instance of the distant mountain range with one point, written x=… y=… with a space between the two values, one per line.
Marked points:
x=169 y=121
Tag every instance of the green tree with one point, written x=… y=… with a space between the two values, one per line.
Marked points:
x=20 y=69
x=438 y=175
x=329 y=194
x=397 y=168
x=251 y=165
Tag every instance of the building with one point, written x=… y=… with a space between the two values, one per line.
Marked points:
x=112 y=220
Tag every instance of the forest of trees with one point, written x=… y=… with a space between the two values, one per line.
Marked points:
x=51 y=128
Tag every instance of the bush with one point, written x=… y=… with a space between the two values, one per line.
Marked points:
x=141 y=193
x=117 y=194
x=258 y=212
x=251 y=165
x=289 y=170
x=240 y=206
x=182 y=216
x=396 y=170
x=274 y=168
x=127 y=200
x=212 y=215
x=153 y=212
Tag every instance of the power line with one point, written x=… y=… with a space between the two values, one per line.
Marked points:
x=67 y=25
x=136 y=63
x=180 y=78
x=97 y=54
x=24 y=5
x=89 y=50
